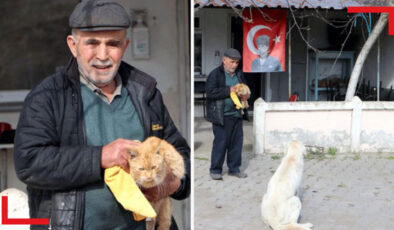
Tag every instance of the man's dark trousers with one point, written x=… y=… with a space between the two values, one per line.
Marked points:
x=227 y=138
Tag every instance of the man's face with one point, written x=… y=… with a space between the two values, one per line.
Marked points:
x=230 y=65
x=98 y=53
x=263 y=50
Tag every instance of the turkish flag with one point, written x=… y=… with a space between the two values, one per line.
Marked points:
x=264 y=41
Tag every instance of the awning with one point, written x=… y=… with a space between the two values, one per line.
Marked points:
x=325 y=4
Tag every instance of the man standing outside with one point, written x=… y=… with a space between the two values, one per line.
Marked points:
x=84 y=119
x=226 y=119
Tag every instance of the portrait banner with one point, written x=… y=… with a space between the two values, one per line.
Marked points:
x=264 y=41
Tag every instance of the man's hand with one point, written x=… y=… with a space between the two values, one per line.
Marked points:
x=117 y=153
x=244 y=97
x=170 y=184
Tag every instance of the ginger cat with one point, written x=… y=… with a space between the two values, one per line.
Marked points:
x=149 y=164
x=242 y=89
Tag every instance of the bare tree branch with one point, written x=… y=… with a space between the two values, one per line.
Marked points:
x=351 y=88
x=343 y=44
x=299 y=29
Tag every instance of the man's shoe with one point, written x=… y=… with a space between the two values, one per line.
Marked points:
x=238 y=174
x=216 y=176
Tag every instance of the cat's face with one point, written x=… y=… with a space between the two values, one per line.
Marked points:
x=242 y=89
x=147 y=166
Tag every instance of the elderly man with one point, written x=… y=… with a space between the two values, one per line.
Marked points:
x=226 y=119
x=84 y=119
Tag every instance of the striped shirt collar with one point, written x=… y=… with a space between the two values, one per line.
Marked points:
x=98 y=91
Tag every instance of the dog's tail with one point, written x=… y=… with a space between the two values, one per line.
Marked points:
x=295 y=226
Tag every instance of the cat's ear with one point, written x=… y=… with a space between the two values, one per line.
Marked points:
x=133 y=153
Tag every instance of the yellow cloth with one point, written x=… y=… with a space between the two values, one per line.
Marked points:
x=236 y=101
x=127 y=193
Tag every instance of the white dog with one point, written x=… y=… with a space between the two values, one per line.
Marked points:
x=281 y=207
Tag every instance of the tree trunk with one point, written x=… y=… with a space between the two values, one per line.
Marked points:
x=351 y=88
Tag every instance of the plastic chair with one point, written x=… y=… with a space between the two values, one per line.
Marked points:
x=6 y=133
x=4 y=127
x=293 y=98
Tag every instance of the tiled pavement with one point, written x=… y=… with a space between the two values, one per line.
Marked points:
x=341 y=192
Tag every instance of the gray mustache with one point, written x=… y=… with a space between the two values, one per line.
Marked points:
x=99 y=63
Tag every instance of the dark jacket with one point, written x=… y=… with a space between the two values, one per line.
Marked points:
x=51 y=155
x=217 y=91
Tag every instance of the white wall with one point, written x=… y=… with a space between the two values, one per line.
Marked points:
x=317 y=128
x=349 y=127
x=377 y=131
x=163 y=61
x=215 y=28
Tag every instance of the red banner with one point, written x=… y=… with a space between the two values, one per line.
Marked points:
x=264 y=41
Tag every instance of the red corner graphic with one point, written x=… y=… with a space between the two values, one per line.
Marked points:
x=376 y=9
x=20 y=221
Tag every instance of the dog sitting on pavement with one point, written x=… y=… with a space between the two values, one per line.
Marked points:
x=281 y=207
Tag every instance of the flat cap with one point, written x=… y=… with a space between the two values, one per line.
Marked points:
x=232 y=53
x=96 y=15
